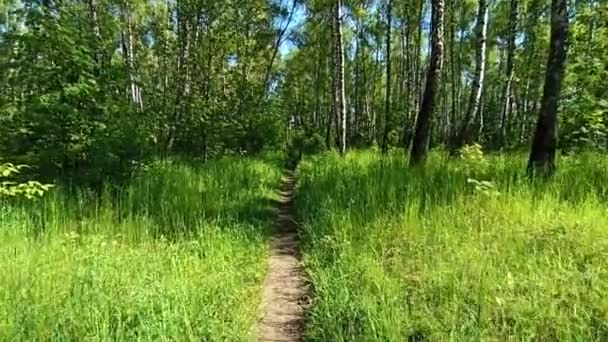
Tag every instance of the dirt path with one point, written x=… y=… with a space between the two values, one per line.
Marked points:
x=284 y=293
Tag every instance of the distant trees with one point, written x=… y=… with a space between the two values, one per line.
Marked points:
x=491 y=89
x=90 y=87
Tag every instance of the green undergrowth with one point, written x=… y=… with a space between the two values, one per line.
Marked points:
x=463 y=250
x=178 y=254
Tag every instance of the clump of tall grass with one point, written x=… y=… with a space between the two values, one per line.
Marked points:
x=455 y=250
x=178 y=254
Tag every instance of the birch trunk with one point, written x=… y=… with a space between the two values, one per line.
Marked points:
x=507 y=92
x=481 y=29
x=340 y=96
x=387 y=108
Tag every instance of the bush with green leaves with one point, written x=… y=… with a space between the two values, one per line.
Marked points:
x=64 y=123
x=307 y=142
x=11 y=188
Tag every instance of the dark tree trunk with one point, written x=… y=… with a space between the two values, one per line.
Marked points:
x=544 y=145
x=423 y=123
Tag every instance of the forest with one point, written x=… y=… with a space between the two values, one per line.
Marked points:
x=303 y=170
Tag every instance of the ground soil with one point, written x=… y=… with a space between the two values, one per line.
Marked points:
x=284 y=292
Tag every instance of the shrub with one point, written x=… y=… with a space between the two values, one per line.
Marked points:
x=29 y=189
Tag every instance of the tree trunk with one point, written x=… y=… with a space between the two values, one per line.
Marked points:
x=418 y=72
x=387 y=108
x=542 y=155
x=506 y=96
x=277 y=46
x=423 y=123
x=99 y=54
x=340 y=96
x=454 y=75
x=409 y=85
x=317 y=109
x=129 y=56
x=481 y=29
x=330 y=121
x=372 y=128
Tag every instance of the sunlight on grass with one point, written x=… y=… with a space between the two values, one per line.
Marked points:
x=178 y=254
x=454 y=251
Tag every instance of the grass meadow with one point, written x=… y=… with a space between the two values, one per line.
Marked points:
x=461 y=250
x=177 y=254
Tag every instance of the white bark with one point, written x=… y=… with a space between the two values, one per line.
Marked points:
x=340 y=96
x=480 y=71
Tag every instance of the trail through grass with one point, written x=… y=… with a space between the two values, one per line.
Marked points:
x=398 y=254
x=179 y=254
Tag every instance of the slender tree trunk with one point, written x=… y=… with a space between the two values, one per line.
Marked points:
x=409 y=86
x=372 y=131
x=387 y=108
x=542 y=155
x=129 y=56
x=409 y=79
x=359 y=75
x=317 y=89
x=182 y=97
x=340 y=96
x=447 y=117
x=328 y=126
x=506 y=95
x=208 y=92
x=402 y=76
x=481 y=29
x=277 y=45
x=418 y=72
x=455 y=77
x=450 y=130
x=425 y=117
x=460 y=83
x=93 y=18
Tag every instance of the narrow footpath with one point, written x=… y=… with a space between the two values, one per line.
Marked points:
x=284 y=292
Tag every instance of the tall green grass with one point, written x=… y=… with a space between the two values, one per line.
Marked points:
x=178 y=254
x=397 y=254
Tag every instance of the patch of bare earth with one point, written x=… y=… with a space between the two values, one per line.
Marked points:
x=284 y=292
